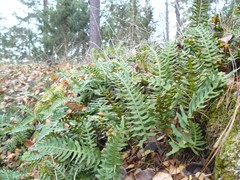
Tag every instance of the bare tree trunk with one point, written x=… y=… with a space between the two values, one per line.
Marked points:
x=177 y=12
x=45 y=4
x=45 y=20
x=94 y=41
x=133 y=22
x=167 y=21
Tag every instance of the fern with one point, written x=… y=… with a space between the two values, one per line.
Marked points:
x=162 y=65
x=64 y=148
x=139 y=120
x=111 y=155
x=7 y=174
x=199 y=13
x=189 y=134
x=201 y=42
x=16 y=140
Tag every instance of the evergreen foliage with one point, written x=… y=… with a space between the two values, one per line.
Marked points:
x=125 y=99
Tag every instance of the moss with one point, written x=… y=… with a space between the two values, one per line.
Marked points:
x=227 y=162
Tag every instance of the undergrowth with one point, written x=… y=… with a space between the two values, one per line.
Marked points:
x=80 y=128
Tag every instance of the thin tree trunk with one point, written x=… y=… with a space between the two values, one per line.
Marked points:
x=177 y=12
x=133 y=21
x=45 y=4
x=94 y=41
x=167 y=21
x=45 y=20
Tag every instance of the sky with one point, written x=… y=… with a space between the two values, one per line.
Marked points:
x=8 y=7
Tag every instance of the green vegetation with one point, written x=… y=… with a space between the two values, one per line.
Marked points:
x=81 y=127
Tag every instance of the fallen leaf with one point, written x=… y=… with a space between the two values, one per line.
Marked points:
x=226 y=39
x=1 y=91
x=75 y=106
x=130 y=177
x=146 y=174
x=11 y=156
x=200 y=176
x=54 y=77
x=174 y=170
x=162 y=176
x=28 y=143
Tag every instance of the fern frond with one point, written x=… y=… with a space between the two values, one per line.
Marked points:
x=189 y=133
x=54 y=171
x=46 y=129
x=190 y=77
x=210 y=89
x=201 y=42
x=66 y=148
x=111 y=155
x=22 y=128
x=17 y=139
x=199 y=13
x=162 y=64
x=7 y=174
x=139 y=119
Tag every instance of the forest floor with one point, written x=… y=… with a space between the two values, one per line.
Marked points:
x=21 y=85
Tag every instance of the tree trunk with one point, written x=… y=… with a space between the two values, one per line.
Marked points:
x=177 y=12
x=45 y=22
x=167 y=21
x=133 y=22
x=45 y=4
x=94 y=41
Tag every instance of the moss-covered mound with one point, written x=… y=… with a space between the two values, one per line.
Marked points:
x=227 y=162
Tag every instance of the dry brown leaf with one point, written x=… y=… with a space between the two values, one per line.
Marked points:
x=11 y=156
x=173 y=170
x=28 y=143
x=1 y=91
x=130 y=177
x=146 y=174
x=131 y=166
x=162 y=176
x=75 y=106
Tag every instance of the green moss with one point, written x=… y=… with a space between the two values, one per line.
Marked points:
x=227 y=163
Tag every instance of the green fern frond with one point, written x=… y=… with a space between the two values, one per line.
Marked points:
x=7 y=174
x=111 y=156
x=17 y=139
x=139 y=119
x=46 y=129
x=189 y=78
x=199 y=13
x=189 y=134
x=22 y=128
x=201 y=42
x=66 y=148
x=54 y=171
x=162 y=64
x=210 y=89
